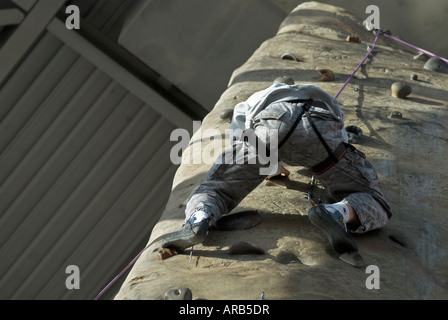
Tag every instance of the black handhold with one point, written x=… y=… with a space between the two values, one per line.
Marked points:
x=178 y=294
x=354 y=134
x=226 y=114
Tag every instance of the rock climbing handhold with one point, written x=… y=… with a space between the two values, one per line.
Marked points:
x=290 y=56
x=166 y=253
x=414 y=76
x=285 y=80
x=326 y=75
x=436 y=64
x=421 y=56
x=354 y=134
x=352 y=38
x=226 y=114
x=396 y=115
x=400 y=90
x=178 y=294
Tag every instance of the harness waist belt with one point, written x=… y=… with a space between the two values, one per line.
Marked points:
x=333 y=156
x=330 y=161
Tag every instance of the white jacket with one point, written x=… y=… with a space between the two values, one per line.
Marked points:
x=245 y=112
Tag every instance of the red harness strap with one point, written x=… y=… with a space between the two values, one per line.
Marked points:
x=329 y=162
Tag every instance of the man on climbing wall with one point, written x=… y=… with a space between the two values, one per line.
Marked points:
x=302 y=125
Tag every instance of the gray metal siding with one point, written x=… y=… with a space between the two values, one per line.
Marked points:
x=84 y=174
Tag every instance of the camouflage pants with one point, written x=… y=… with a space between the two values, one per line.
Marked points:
x=352 y=179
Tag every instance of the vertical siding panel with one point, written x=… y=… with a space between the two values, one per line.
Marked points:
x=36 y=141
x=103 y=233
x=27 y=73
x=37 y=124
x=84 y=169
x=33 y=98
x=78 y=202
x=24 y=201
x=131 y=237
x=20 y=263
x=20 y=233
x=81 y=193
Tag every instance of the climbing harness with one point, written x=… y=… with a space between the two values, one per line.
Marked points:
x=249 y=132
x=336 y=155
x=305 y=107
x=333 y=158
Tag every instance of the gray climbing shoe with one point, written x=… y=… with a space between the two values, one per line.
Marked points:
x=336 y=230
x=189 y=235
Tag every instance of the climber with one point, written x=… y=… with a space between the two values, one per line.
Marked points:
x=307 y=126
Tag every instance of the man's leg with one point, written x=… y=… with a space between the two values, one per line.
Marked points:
x=353 y=181
x=237 y=172
x=372 y=211
x=233 y=176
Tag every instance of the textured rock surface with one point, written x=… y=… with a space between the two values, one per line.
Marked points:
x=409 y=153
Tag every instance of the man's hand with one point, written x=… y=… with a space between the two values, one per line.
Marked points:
x=283 y=172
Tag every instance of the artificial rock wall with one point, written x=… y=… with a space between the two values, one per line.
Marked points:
x=406 y=140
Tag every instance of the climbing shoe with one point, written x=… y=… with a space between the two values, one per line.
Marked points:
x=190 y=234
x=335 y=228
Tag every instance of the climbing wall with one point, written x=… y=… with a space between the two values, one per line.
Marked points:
x=404 y=136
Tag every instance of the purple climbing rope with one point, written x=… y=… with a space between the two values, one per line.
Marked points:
x=414 y=47
x=359 y=66
x=119 y=275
